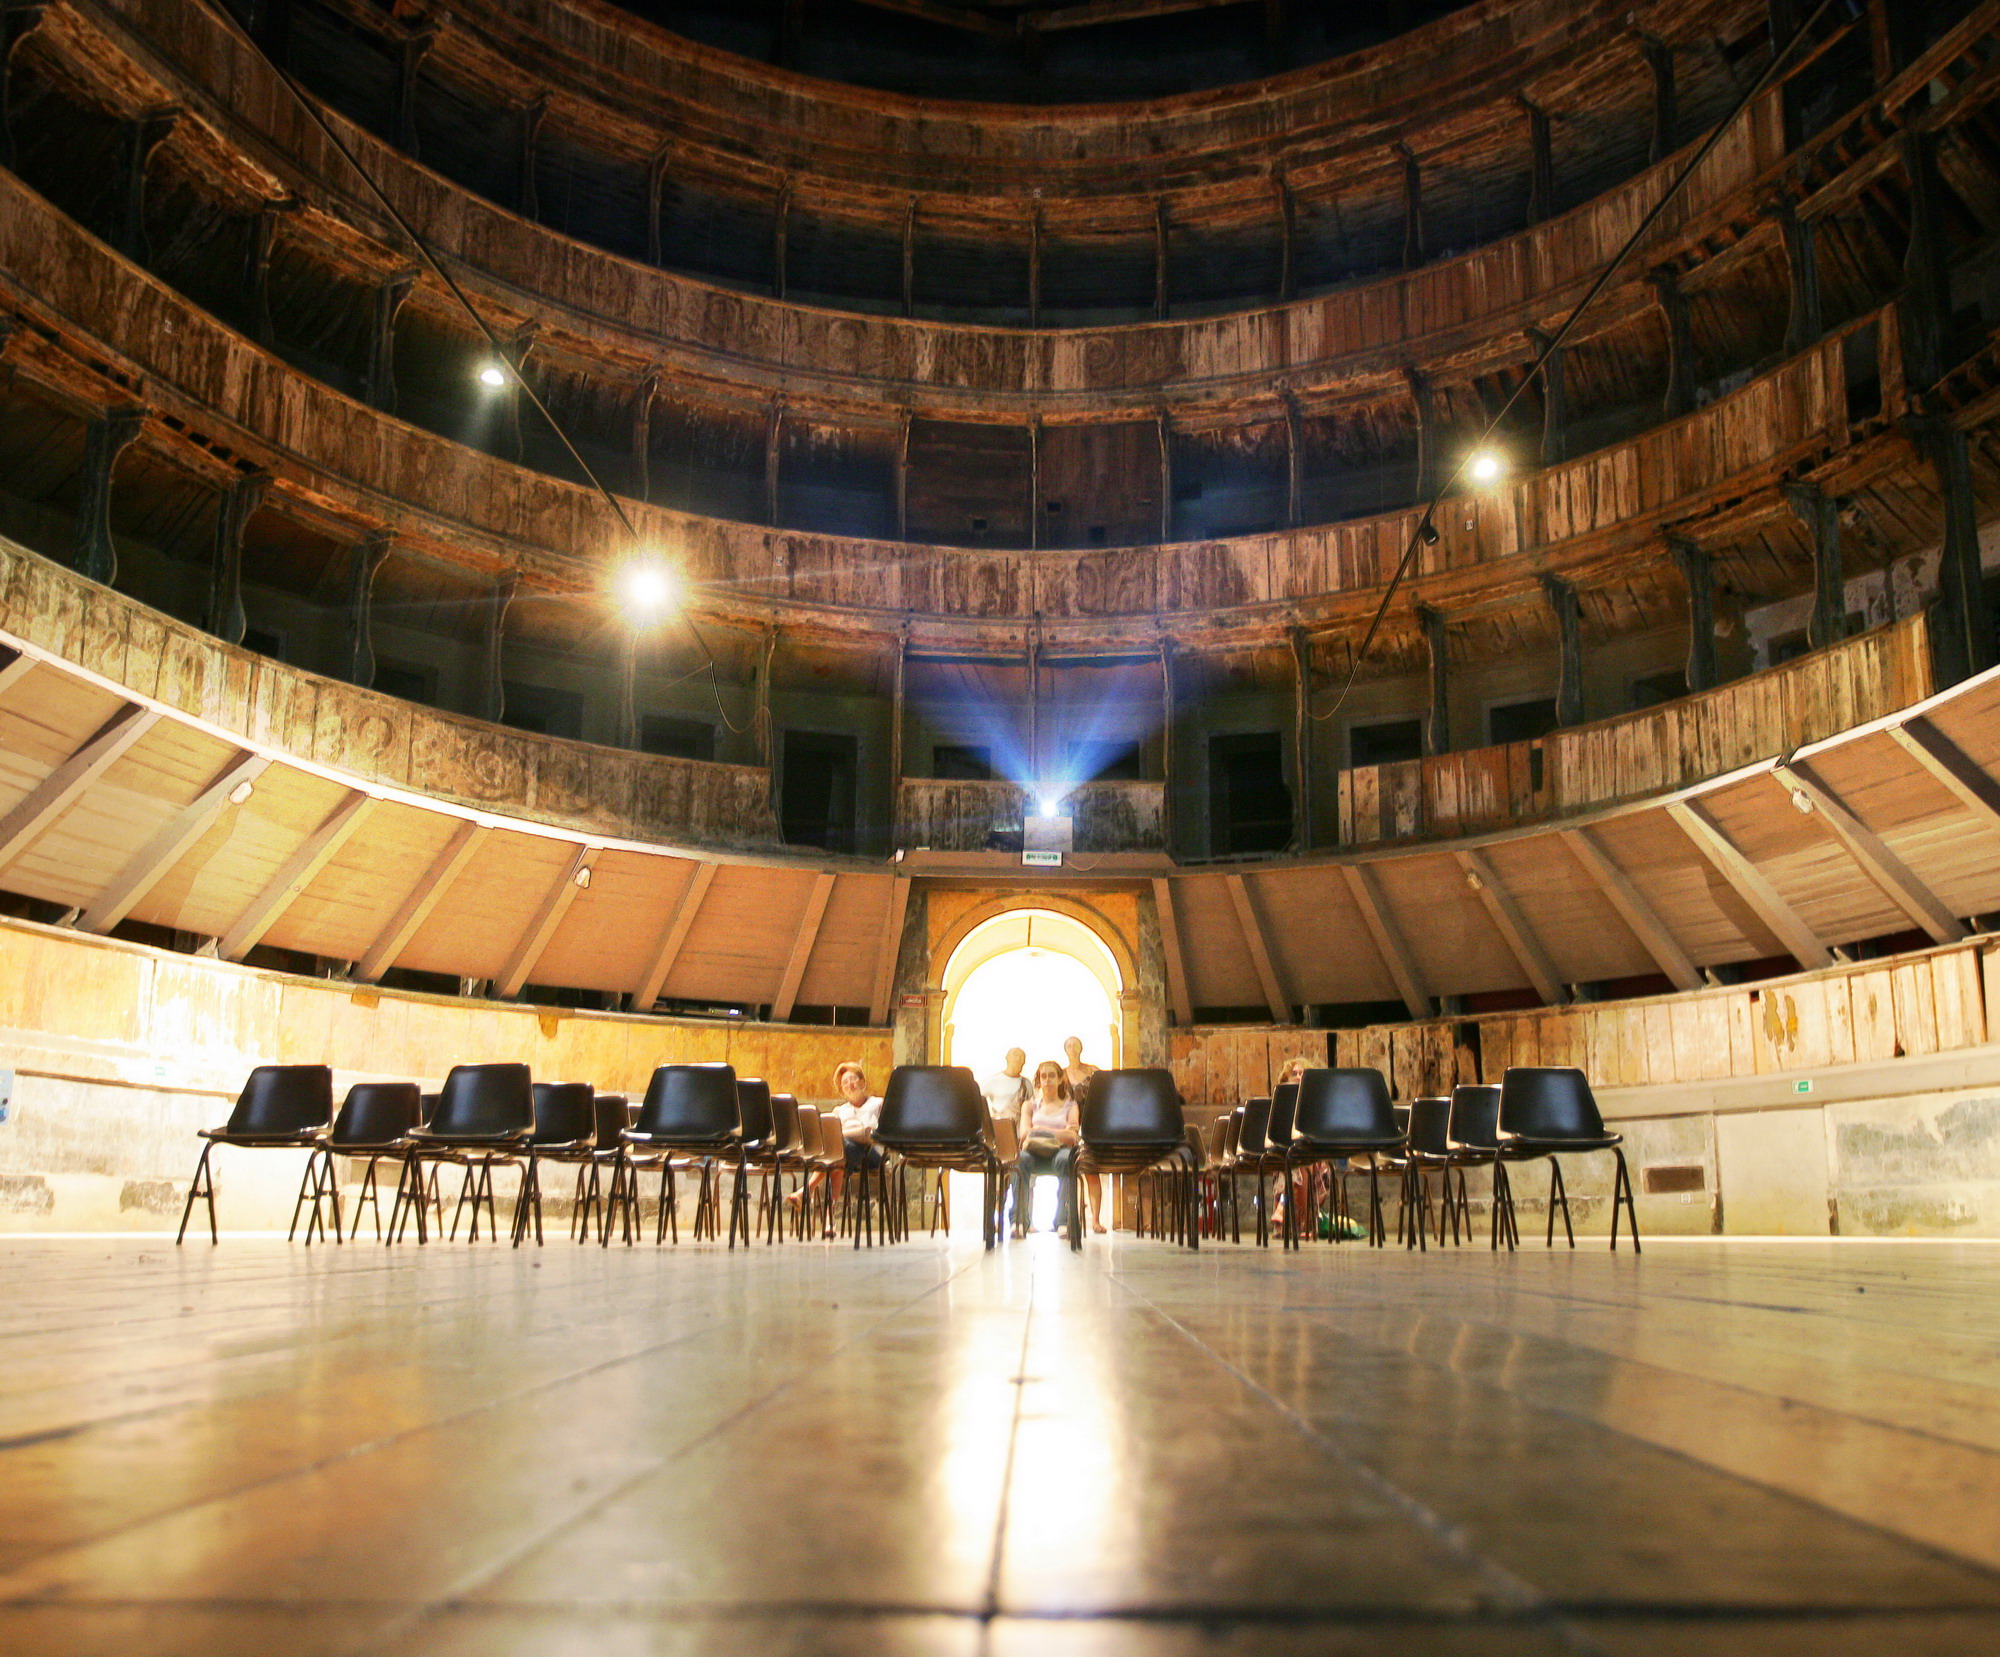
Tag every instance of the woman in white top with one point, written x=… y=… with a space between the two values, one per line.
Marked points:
x=1048 y=1128
x=859 y=1111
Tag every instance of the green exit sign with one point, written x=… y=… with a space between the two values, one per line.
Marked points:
x=1802 y=1087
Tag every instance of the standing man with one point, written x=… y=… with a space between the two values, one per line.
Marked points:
x=1007 y=1090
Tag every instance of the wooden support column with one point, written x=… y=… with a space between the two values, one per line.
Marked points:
x=1160 y=297
x=903 y=477
x=1888 y=873
x=1888 y=39
x=528 y=194
x=1785 y=17
x=1035 y=268
x=1166 y=436
x=774 y=435
x=767 y=744
x=656 y=189
x=1961 y=624
x=1820 y=514
x=654 y=979
x=142 y=136
x=429 y=891
x=1728 y=861
x=802 y=948
x=1541 y=162
x=1167 y=733
x=1288 y=231
x=108 y=437
x=226 y=617
x=257 y=268
x=534 y=943
x=910 y=257
x=1420 y=397
x=1302 y=726
x=780 y=229
x=1659 y=58
x=1681 y=370
x=1951 y=766
x=1035 y=703
x=1555 y=398
x=1923 y=308
x=1637 y=914
x=296 y=874
x=67 y=783
x=492 y=702
x=379 y=377
x=410 y=55
x=1533 y=960
x=1275 y=997
x=1035 y=482
x=887 y=948
x=898 y=723
x=1413 y=208
x=1388 y=936
x=1698 y=571
x=1567 y=613
x=1294 y=462
x=17 y=22
x=642 y=437
x=175 y=839
x=361 y=573
x=1804 y=322
x=1437 y=724
x=1178 y=998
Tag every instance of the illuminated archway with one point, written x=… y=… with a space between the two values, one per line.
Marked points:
x=1028 y=978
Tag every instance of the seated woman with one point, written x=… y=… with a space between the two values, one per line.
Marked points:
x=1048 y=1144
x=859 y=1111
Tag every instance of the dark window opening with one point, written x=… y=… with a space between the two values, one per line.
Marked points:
x=1249 y=802
x=1358 y=1015
x=661 y=733
x=419 y=983
x=542 y=709
x=1097 y=535
x=1789 y=647
x=1521 y=721
x=962 y=762
x=407 y=680
x=1655 y=688
x=1105 y=762
x=817 y=804
x=1390 y=742
x=264 y=642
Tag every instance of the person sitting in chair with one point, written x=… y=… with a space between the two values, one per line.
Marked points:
x=1048 y=1144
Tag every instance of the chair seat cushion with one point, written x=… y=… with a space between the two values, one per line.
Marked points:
x=720 y=1141
x=222 y=1136
x=1520 y=1145
x=1350 y=1143
x=427 y=1136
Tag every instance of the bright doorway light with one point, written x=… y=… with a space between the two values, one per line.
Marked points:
x=1033 y=999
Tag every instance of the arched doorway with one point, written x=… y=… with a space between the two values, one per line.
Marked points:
x=1030 y=978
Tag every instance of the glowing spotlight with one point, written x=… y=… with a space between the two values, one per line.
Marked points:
x=1050 y=805
x=493 y=376
x=647 y=590
x=1485 y=467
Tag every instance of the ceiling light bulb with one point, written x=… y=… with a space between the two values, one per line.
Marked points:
x=647 y=588
x=1485 y=466
x=1049 y=804
x=493 y=375
x=583 y=879
x=1801 y=802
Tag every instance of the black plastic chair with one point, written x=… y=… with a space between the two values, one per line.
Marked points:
x=1550 y=1111
x=1429 y=1131
x=484 y=1118
x=281 y=1107
x=374 y=1122
x=690 y=1110
x=1270 y=1158
x=1475 y=1143
x=1132 y=1123
x=610 y=1116
x=1343 y=1113
x=1253 y=1119
x=759 y=1148
x=565 y=1132
x=935 y=1117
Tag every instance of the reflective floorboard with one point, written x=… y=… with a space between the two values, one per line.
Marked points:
x=1720 y=1447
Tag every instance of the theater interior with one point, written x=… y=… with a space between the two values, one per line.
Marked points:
x=1000 y=827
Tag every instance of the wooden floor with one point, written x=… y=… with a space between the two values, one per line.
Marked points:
x=1723 y=1447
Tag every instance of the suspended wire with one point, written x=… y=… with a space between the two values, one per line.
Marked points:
x=1425 y=533
x=501 y=357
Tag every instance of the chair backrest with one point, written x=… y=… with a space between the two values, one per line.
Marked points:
x=1402 y=1115
x=1006 y=1138
x=1133 y=1107
x=284 y=1099
x=689 y=1101
x=1341 y=1105
x=753 y=1109
x=1475 y=1116
x=1232 y=1132
x=611 y=1114
x=376 y=1113
x=1218 y=1137
x=1284 y=1106
x=485 y=1101
x=1548 y=1102
x=785 y=1122
x=832 y=1137
x=1430 y=1125
x=808 y=1131
x=1256 y=1118
x=932 y=1104
x=427 y=1105
x=564 y=1112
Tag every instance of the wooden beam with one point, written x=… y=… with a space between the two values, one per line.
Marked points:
x=1633 y=910
x=1170 y=944
x=1260 y=952
x=1389 y=941
x=555 y=904
x=424 y=897
x=15 y=671
x=1506 y=916
x=1949 y=764
x=802 y=948
x=1882 y=866
x=296 y=874
x=144 y=871
x=886 y=951
x=655 y=977
x=62 y=787
x=1750 y=884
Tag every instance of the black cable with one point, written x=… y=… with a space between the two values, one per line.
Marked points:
x=1418 y=537
x=313 y=112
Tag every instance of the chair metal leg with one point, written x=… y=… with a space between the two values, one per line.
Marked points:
x=1558 y=1193
x=204 y=1187
x=1622 y=1182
